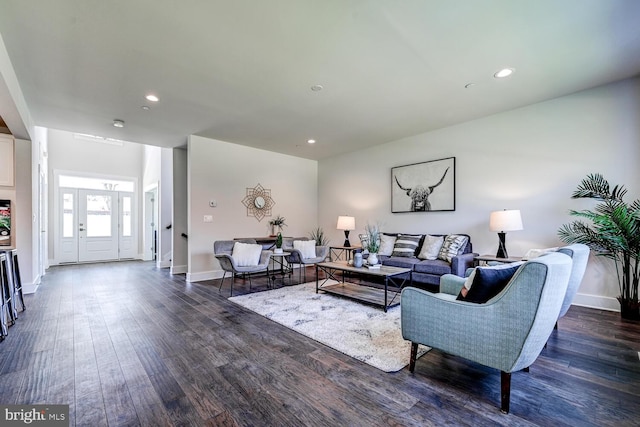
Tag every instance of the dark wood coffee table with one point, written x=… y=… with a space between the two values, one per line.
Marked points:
x=394 y=276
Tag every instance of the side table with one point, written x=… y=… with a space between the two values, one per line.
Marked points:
x=336 y=252
x=280 y=266
x=485 y=259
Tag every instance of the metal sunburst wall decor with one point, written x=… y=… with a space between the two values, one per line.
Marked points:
x=258 y=202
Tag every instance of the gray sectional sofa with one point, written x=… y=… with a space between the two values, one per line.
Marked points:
x=426 y=273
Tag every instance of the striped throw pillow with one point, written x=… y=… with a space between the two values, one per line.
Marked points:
x=453 y=244
x=406 y=245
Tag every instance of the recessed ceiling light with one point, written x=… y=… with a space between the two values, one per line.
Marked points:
x=145 y=107
x=118 y=123
x=316 y=88
x=151 y=97
x=469 y=85
x=505 y=72
x=311 y=141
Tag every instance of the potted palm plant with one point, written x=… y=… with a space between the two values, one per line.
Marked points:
x=612 y=231
x=319 y=237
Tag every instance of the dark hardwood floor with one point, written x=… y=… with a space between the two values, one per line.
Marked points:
x=128 y=344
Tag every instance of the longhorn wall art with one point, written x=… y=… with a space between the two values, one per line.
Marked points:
x=424 y=187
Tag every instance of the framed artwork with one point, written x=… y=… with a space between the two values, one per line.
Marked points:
x=424 y=187
x=5 y=222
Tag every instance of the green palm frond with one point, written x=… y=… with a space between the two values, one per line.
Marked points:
x=594 y=186
x=611 y=230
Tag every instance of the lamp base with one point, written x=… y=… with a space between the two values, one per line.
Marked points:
x=346 y=239
x=502 y=247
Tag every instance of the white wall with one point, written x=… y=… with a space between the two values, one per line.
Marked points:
x=67 y=153
x=165 y=248
x=179 y=261
x=223 y=171
x=158 y=170
x=25 y=224
x=529 y=159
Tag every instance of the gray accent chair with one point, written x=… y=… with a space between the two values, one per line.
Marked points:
x=223 y=250
x=322 y=252
x=507 y=333
x=579 y=253
x=451 y=284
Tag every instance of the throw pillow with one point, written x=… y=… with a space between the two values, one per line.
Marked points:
x=431 y=247
x=364 y=242
x=386 y=244
x=306 y=247
x=246 y=254
x=487 y=282
x=472 y=274
x=535 y=253
x=453 y=244
x=406 y=245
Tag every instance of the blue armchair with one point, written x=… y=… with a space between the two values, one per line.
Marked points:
x=507 y=333
x=579 y=253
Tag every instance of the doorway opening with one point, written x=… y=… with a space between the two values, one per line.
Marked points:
x=96 y=219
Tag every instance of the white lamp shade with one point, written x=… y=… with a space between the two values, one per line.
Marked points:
x=506 y=220
x=346 y=223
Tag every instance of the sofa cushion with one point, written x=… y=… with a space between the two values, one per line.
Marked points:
x=406 y=245
x=401 y=261
x=453 y=244
x=487 y=282
x=386 y=244
x=364 y=242
x=431 y=247
x=436 y=266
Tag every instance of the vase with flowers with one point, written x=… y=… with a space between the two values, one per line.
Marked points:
x=278 y=222
x=373 y=243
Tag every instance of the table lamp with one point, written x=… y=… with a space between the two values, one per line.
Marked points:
x=501 y=221
x=346 y=223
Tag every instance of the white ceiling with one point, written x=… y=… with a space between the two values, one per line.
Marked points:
x=242 y=70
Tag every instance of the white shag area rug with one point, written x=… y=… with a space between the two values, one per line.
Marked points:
x=358 y=330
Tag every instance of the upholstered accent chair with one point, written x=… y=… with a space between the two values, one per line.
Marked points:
x=507 y=333
x=579 y=253
x=298 y=256
x=223 y=250
x=451 y=284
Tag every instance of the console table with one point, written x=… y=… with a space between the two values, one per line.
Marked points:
x=267 y=242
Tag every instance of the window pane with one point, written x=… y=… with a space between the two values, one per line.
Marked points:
x=67 y=215
x=126 y=216
x=98 y=216
x=95 y=183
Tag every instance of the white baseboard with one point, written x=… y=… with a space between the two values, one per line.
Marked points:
x=163 y=264
x=31 y=288
x=204 y=275
x=596 y=301
x=178 y=269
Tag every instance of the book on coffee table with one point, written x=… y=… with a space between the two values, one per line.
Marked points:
x=373 y=266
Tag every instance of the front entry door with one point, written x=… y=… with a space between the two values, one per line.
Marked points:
x=97 y=225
